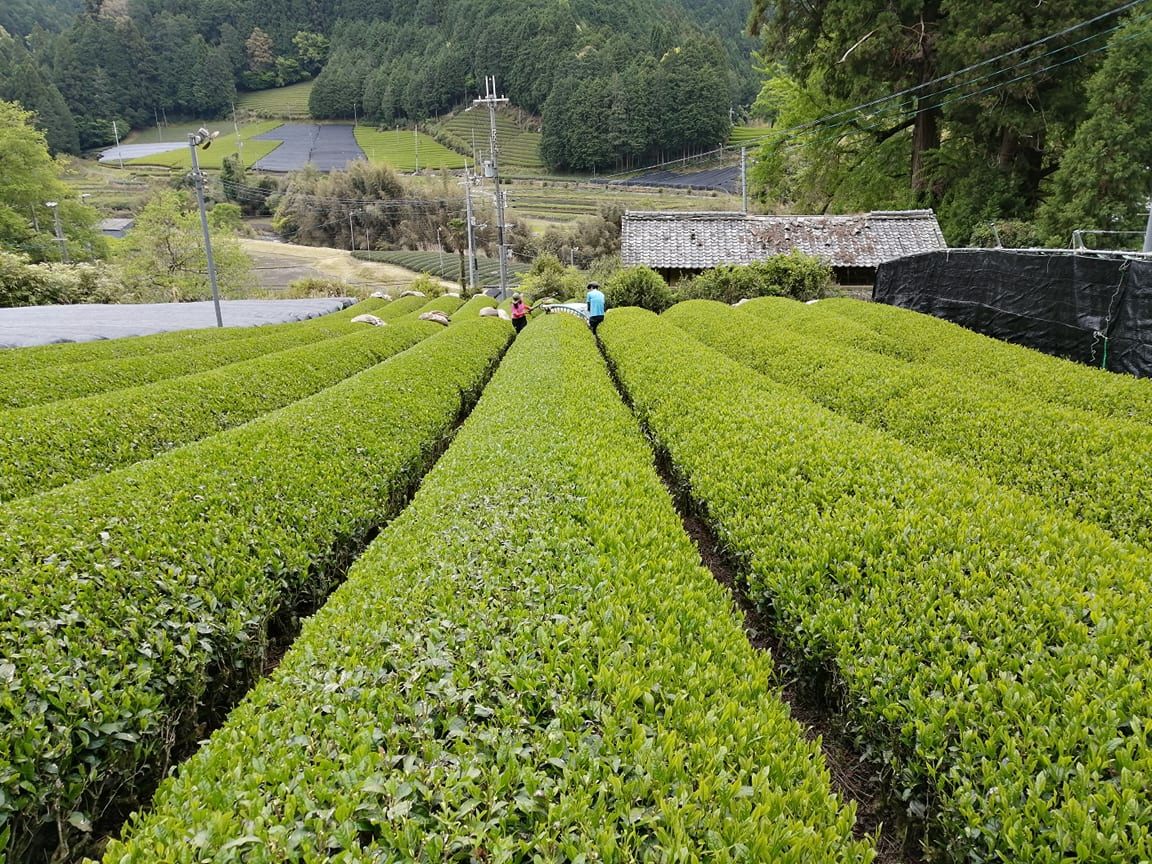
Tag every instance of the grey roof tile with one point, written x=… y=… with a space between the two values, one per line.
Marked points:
x=698 y=241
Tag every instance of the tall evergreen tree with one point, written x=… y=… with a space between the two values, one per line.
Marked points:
x=1105 y=178
x=1008 y=129
x=23 y=81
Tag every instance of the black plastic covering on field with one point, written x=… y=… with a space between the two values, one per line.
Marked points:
x=1091 y=308
x=722 y=179
x=330 y=147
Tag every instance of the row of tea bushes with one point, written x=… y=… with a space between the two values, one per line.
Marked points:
x=443 y=304
x=995 y=654
x=132 y=604
x=75 y=380
x=48 y=445
x=471 y=309
x=20 y=360
x=529 y=664
x=400 y=308
x=1099 y=469
x=976 y=358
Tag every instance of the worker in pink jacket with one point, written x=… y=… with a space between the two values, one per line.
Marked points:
x=520 y=312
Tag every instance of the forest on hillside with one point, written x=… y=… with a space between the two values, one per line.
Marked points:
x=137 y=61
x=1017 y=123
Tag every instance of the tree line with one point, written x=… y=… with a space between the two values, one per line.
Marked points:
x=131 y=63
x=616 y=84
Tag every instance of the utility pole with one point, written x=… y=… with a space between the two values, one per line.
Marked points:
x=416 y=138
x=351 y=233
x=116 y=135
x=239 y=140
x=471 y=229
x=744 y=178
x=203 y=138
x=1148 y=230
x=440 y=246
x=54 y=206
x=492 y=169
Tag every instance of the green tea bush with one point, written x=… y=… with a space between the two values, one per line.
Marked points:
x=993 y=653
x=1097 y=469
x=25 y=284
x=22 y=360
x=74 y=380
x=796 y=275
x=471 y=308
x=638 y=286
x=135 y=602
x=528 y=664
x=45 y=446
x=971 y=356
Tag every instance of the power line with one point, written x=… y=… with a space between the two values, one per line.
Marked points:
x=931 y=84
x=785 y=140
x=793 y=132
x=785 y=135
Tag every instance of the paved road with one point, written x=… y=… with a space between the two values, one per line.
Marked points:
x=43 y=325
x=329 y=147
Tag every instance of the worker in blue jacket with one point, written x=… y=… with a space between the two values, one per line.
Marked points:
x=596 y=305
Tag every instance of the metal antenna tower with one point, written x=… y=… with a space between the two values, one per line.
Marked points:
x=492 y=169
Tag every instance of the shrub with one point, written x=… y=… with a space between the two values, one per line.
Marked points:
x=795 y=275
x=1009 y=233
x=550 y=278
x=638 y=286
x=25 y=284
x=314 y=286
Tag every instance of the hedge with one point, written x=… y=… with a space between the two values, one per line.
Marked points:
x=20 y=360
x=529 y=664
x=445 y=304
x=45 y=446
x=471 y=309
x=401 y=307
x=75 y=380
x=1098 y=469
x=994 y=654
x=134 y=603
x=942 y=344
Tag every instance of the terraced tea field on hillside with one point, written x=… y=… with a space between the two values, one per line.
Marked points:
x=287 y=103
x=519 y=146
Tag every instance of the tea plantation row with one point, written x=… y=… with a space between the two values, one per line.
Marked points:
x=133 y=604
x=993 y=653
x=529 y=664
x=1096 y=466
